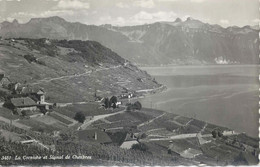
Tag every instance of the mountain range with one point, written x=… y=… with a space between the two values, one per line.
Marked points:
x=161 y=43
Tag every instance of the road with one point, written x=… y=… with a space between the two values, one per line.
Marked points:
x=150 y=121
x=98 y=117
x=192 y=135
x=73 y=76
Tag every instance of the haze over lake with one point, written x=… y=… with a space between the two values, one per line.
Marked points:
x=225 y=95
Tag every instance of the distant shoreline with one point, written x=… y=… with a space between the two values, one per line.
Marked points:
x=192 y=65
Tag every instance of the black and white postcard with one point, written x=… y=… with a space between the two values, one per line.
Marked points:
x=129 y=82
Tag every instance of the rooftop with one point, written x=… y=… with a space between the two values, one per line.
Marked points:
x=23 y=102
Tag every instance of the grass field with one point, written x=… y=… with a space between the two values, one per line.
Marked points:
x=4 y=112
x=90 y=109
x=41 y=127
x=59 y=118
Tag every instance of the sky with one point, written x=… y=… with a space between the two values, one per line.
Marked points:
x=134 y=12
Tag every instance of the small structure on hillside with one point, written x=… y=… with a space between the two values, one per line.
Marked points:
x=94 y=135
x=40 y=95
x=4 y=81
x=14 y=87
x=119 y=103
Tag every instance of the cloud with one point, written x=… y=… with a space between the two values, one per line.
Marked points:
x=197 y=1
x=185 y=17
x=144 y=3
x=256 y=21
x=139 y=18
x=61 y=13
x=223 y=21
x=10 y=19
x=145 y=17
x=72 y=4
x=122 y=5
x=26 y=16
x=113 y=21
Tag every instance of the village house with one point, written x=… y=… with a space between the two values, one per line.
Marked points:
x=94 y=135
x=130 y=140
x=13 y=86
x=4 y=81
x=40 y=95
x=37 y=95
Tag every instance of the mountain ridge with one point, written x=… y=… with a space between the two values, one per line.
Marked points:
x=178 y=42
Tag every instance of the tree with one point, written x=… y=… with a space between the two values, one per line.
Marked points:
x=220 y=134
x=114 y=105
x=113 y=99
x=214 y=133
x=106 y=103
x=79 y=116
x=8 y=104
x=137 y=105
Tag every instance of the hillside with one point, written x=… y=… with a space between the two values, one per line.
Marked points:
x=70 y=71
x=177 y=42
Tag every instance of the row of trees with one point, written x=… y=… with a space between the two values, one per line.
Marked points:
x=108 y=103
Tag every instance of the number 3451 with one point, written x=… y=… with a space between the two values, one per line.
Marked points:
x=4 y=158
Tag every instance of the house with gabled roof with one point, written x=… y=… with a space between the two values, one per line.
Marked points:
x=22 y=103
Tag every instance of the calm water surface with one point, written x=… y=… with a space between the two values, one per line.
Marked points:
x=225 y=95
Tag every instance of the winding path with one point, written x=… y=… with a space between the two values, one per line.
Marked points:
x=98 y=117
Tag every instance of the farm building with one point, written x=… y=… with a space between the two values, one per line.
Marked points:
x=94 y=135
x=20 y=104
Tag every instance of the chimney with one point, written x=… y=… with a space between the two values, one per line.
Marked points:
x=95 y=136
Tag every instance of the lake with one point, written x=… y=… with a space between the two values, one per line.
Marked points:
x=225 y=95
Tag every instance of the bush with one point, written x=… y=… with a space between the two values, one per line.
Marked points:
x=79 y=116
x=139 y=146
x=30 y=58
x=137 y=105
